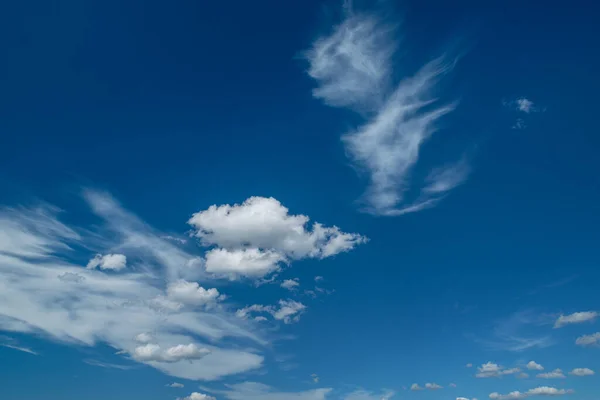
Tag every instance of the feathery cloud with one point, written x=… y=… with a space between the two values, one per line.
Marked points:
x=353 y=69
x=259 y=391
x=588 y=340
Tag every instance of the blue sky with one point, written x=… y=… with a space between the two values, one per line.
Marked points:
x=318 y=200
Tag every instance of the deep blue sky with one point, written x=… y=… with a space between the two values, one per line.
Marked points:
x=175 y=106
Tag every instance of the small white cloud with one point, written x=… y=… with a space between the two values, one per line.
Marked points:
x=432 y=386
x=197 y=396
x=582 y=372
x=153 y=352
x=259 y=391
x=71 y=277
x=318 y=278
x=289 y=311
x=490 y=369
x=191 y=293
x=315 y=378
x=290 y=284
x=556 y=374
x=469 y=365
x=576 y=318
x=112 y=262
x=539 y=391
x=367 y=395
x=588 y=340
x=452 y=385
x=144 y=338
x=524 y=105
x=176 y=385
x=462 y=398
x=532 y=365
x=415 y=386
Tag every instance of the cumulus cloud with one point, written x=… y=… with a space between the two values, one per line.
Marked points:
x=353 y=69
x=582 y=372
x=197 y=396
x=290 y=284
x=532 y=365
x=556 y=374
x=289 y=311
x=490 y=369
x=432 y=386
x=153 y=352
x=415 y=386
x=191 y=293
x=588 y=340
x=539 y=391
x=254 y=238
x=576 y=318
x=113 y=262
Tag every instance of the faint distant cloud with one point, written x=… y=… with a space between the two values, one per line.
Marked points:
x=176 y=385
x=19 y=348
x=433 y=386
x=522 y=105
x=101 y=364
x=556 y=374
x=588 y=340
x=576 y=318
x=469 y=365
x=315 y=378
x=415 y=386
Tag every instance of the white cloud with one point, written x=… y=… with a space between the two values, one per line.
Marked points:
x=415 y=386
x=367 y=395
x=113 y=262
x=249 y=263
x=452 y=385
x=462 y=398
x=144 y=338
x=588 y=340
x=524 y=105
x=539 y=391
x=532 y=365
x=582 y=372
x=153 y=352
x=38 y=296
x=490 y=369
x=191 y=293
x=288 y=311
x=352 y=67
x=198 y=396
x=315 y=378
x=576 y=318
x=556 y=374
x=176 y=385
x=259 y=391
x=290 y=284
x=469 y=365
x=19 y=348
x=101 y=364
x=432 y=386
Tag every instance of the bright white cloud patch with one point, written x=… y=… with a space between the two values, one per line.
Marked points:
x=113 y=262
x=490 y=369
x=153 y=352
x=259 y=391
x=588 y=340
x=191 y=293
x=353 y=69
x=289 y=311
x=556 y=374
x=197 y=396
x=576 y=318
x=432 y=386
x=539 y=391
x=582 y=372
x=290 y=284
x=532 y=365
x=254 y=238
x=415 y=386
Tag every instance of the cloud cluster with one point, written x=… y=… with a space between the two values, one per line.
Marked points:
x=556 y=374
x=254 y=238
x=142 y=294
x=490 y=370
x=353 y=69
x=539 y=391
x=288 y=311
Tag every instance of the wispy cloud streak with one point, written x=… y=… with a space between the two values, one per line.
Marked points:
x=353 y=68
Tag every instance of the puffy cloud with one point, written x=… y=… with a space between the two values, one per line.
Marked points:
x=415 y=386
x=113 y=262
x=432 y=386
x=264 y=223
x=556 y=374
x=288 y=311
x=250 y=263
x=588 y=340
x=197 y=396
x=576 y=318
x=352 y=67
x=43 y=291
x=539 y=391
x=144 y=338
x=176 y=385
x=582 y=372
x=490 y=369
x=191 y=293
x=153 y=352
x=532 y=365
x=290 y=284
x=525 y=105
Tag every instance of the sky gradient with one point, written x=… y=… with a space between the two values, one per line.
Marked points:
x=299 y=200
